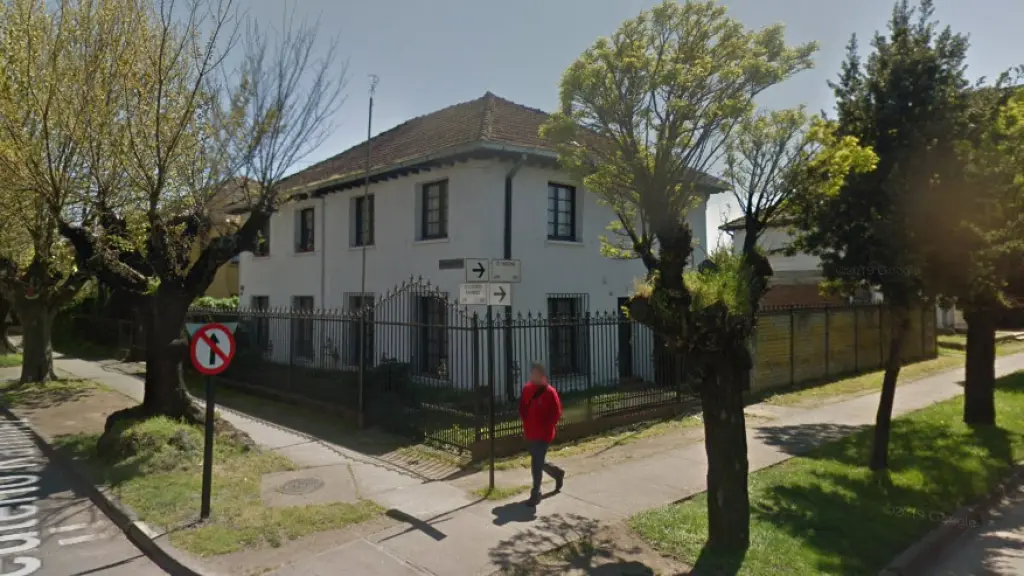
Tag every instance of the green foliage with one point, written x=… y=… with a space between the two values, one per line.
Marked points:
x=644 y=113
x=210 y=302
x=908 y=103
x=725 y=284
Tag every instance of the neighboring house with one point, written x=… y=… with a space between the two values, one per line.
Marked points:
x=221 y=207
x=474 y=180
x=795 y=279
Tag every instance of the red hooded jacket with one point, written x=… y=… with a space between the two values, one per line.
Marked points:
x=540 y=408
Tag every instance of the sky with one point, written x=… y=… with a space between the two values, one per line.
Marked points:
x=429 y=54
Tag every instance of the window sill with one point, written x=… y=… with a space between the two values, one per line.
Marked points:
x=565 y=242
x=359 y=248
x=305 y=253
x=260 y=256
x=433 y=241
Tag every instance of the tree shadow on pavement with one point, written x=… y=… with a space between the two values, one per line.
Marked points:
x=844 y=519
x=566 y=544
x=801 y=438
x=33 y=396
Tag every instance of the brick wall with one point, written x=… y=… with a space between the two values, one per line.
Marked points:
x=798 y=345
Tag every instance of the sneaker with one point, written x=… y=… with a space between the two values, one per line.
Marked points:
x=559 y=480
x=534 y=500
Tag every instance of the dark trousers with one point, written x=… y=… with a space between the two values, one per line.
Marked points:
x=538 y=453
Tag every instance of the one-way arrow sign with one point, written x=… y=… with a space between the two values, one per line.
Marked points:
x=500 y=295
x=478 y=270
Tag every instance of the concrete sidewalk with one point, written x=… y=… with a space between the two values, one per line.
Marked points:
x=447 y=534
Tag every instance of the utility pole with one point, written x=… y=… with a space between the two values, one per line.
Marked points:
x=363 y=241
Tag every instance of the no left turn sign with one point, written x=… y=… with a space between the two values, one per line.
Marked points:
x=212 y=349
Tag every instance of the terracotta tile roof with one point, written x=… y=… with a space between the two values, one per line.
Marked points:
x=486 y=119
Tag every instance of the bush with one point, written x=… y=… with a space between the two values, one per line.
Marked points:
x=209 y=302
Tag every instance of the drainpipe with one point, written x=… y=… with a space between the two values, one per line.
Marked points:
x=323 y=251
x=510 y=392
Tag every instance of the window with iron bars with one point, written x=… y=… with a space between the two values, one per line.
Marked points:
x=302 y=328
x=359 y=304
x=567 y=334
x=432 y=336
x=261 y=324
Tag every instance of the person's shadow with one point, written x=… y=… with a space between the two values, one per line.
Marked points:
x=516 y=511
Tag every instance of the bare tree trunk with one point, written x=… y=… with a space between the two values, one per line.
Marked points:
x=37 y=349
x=6 y=346
x=164 y=389
x=980 y=370
x=725 y=440
x=883 y=419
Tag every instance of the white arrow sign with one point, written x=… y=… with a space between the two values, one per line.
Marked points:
x=500 y=295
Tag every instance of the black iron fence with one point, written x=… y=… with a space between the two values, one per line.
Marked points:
x=416 y=363
x=430 y=368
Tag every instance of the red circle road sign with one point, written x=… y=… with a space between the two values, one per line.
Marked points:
x=212 y=348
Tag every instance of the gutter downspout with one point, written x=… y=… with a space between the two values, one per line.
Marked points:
x=323 y=252
x=510 y=392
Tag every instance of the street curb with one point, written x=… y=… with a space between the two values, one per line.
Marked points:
x=138 y=532
x=927 y=551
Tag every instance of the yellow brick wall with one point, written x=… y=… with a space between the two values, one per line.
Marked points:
x=771 y=352
x=841 y=359
x=807 y=345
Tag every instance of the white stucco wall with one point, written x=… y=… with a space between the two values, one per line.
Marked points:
x=475 y=230
x=778 y=239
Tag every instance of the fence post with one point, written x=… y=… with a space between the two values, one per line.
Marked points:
x=856 y=339
x=476 y=376
x=792 y=346
x=590 y=368
x=490 y=380
x=828 y=350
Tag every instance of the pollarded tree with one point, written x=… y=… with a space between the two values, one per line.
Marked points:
x=180 y=133
x=644 y=115
x=907 y=103
x=40 y=168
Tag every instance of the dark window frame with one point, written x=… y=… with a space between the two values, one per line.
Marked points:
x=441 y=212
x=568 y=344
x=363 y=221
x=305 y=240
x=303 y=331
x=562 y=202
x=432 y=336
x=260 y=305
x=356 y=303
x=262 y=248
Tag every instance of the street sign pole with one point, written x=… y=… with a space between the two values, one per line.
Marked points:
x=490 y=378
x=204 y=512
x=212 y=349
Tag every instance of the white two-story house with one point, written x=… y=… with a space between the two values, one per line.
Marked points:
x=471 y=181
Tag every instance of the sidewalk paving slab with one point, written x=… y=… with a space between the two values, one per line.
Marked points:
x=464 y=540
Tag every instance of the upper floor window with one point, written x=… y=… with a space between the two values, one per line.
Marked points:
x=434 y=216
x=305 y=231
x=362 y=224
x=263 y=240
x=561 y=212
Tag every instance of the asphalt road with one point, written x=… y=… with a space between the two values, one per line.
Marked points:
x=47 y=527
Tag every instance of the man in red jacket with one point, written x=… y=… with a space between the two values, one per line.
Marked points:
x=540 y=409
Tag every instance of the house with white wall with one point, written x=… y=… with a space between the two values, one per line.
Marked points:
x=471 y=181
x=796 y=277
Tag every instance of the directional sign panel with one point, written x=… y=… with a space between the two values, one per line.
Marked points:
x=473 y=294
x=212 y=349
x=507 y=271
x=477 y=270
x=499 y=294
